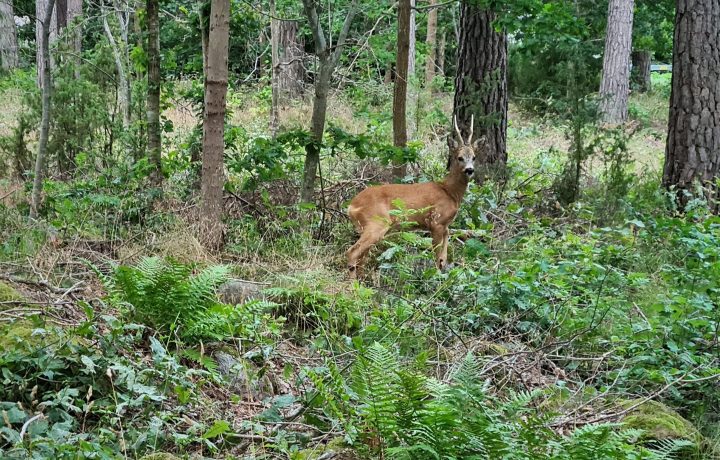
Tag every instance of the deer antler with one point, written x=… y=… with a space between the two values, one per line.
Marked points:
x=472 y=126
x=457 y=129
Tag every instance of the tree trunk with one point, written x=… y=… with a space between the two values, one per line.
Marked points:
x=431 y=42
x=46 y=85
x=8 y=36
x=401 y=82
x=693 y=144
x=292 y=73
x=153 y=91
x=123 y=93
x=641 y=70
x=40 y=8
x=327 y=61
x=216 y=84
x=275 y=70
x=317 y=127
x=615 y=83
x=75 y=13
x=441 y=55
x=481 y=87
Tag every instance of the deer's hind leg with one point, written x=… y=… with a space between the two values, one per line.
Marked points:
x=371 y=234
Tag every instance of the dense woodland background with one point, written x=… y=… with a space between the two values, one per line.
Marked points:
x=174 y=178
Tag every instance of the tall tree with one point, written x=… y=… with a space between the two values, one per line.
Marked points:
x=8 y=36
x=216 y=83
x=46 y=86
x=693 y=144
x=401 y=82
x=615 y=83
x=153 y=91
x=481 y=86
x=431 y=42
x=328 y=57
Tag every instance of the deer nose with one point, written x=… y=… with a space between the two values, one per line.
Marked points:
x=469 y=170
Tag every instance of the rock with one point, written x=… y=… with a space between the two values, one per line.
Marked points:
x=242 y=377
x=659 y=421
x=235 y=292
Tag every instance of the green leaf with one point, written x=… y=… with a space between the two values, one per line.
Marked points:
x=220 y=427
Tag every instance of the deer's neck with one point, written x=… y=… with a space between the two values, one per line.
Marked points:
x=455 y=184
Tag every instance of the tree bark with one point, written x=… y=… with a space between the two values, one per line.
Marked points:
x=641 y=70
x=292 y=72
x=481 y=87
x=693 y=144
x=153 y=91
x=327 y=61
x=275 y=63
x=46 y=85
x=431 y=42
x=401 y=82
x=216 y=84
x=615 y=83
x=8 y=36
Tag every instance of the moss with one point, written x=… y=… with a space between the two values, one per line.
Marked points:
x=7 y=293
x=658 y=421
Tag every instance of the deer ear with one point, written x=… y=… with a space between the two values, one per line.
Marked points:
x=480 y=143
x=452 y=142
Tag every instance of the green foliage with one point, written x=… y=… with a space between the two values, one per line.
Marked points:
x=98 y=396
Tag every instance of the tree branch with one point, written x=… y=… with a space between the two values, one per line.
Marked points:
x=352 y=10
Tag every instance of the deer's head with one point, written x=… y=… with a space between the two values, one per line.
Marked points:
x=463 y=152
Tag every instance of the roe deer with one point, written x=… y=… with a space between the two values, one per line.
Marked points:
x=432 y=205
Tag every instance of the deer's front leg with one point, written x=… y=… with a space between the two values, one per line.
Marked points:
x=440 y=236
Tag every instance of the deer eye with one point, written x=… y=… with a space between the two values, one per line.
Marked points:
x=461 y=159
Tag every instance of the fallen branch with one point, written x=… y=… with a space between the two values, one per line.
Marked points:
x=44 y=284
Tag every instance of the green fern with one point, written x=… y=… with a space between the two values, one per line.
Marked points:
x=167 y=295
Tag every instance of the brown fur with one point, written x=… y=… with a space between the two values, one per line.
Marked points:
x=431 y=206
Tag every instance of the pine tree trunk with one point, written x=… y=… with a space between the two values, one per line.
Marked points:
x=153 y=91
x=615 y=83
x=431 y=42
x=8 y=36
x=216 y=83
x=481 y=87
x=641 y=70
x=44 y=53
x=693 y=144
x=292 y=73
x=401 y=82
